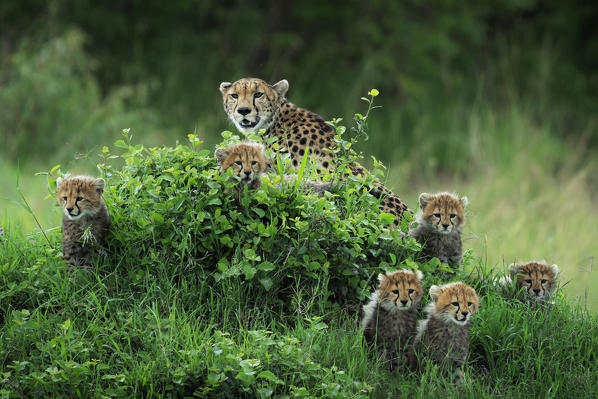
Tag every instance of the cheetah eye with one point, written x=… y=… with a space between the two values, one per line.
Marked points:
x=453 y=215
x=543 y=281
x=529 y=281
x=258 y=94
x=64 y=198
x=79 y=199
x=455 y=303
x=239 y=163
x=411 y=290
x=396 y=292
x=234 y=95
x=253 y=163
x=437 y=215
x=469 y=303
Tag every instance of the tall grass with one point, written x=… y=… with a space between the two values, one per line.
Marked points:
x=138 y=332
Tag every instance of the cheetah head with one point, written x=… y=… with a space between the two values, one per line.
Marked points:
x=251 y=104
x=442 y=212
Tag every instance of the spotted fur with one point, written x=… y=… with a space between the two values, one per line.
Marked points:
x=83 y=207
x=536 y=280
x=390 y=317
x=252 y=104
x=440 y=220
x=443 y=337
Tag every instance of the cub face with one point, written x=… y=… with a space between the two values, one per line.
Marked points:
x=79 y=196
x=538 y=279
x=454 y=302
x=400 y=290
x=443 y=212
x=247 y=160
x=250 y=102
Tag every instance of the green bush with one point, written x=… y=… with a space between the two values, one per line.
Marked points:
x=173 y=212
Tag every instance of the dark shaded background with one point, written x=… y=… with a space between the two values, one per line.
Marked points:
x=155 y=66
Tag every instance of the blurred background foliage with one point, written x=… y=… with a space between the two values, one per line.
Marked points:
x=495 y=99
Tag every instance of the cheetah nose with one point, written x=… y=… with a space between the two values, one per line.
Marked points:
x=69 y=209
x=537 y=291
x=247 y=172
x=464 y=313
x=404 y=302
x=244 y=111
x=445 y=225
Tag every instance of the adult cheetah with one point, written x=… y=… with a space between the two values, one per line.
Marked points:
x=252 y=104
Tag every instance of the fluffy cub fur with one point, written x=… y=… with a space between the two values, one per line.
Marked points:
x=247 y=160
x=249 y=163
x=440 y=220
x=390 y=317
x=84 y=208
x=535 y=280
x=444 y=336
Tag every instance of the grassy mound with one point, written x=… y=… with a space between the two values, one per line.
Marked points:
x=203 y=295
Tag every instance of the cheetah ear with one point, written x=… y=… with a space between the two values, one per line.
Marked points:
x=59 y=181
x=424 y=198
x=99 y=185
x=224 y=86
x=220 y=154
x=555 y=270
x=435 y=292
x=514 y=270
x=464 y=201
x=419 y=274
x=381 y=277
x=281 y=87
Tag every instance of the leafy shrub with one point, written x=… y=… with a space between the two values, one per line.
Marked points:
x=170 y=206
x=265 y=364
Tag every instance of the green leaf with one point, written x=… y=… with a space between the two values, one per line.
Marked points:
x=266 y=283
x=266 y=266
x=215 y=379
x=250 y=254
x=121 y=144
x=386 y=219
x=157 y=218
x=270 y=376
x=247 y=377
x=222 y=265
x=247 y=269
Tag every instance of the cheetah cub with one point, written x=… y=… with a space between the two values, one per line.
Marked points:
x=440 y=219
x=84 y=209
x=444 y=336
x=247 y=160
x=535 y=280
x=249 y=163
x=390 y=317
